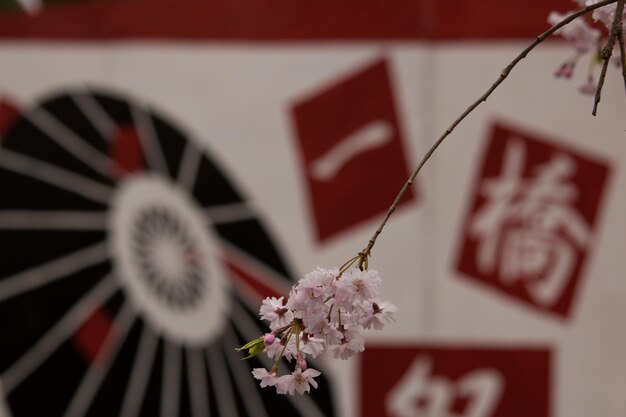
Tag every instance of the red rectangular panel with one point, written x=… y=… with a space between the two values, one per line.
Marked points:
x=285 y=20
x=532 y=219
x=351 y=146
x=460 y=381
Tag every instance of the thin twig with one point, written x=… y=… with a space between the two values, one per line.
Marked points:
x=605 y=55
x=622 y=57
x=607 y=51
x=505 y=73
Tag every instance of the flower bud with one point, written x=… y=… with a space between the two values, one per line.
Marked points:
x=269 y=339
x=568 y=71
x=589 y=87
x=558 y=73
x=301 y=362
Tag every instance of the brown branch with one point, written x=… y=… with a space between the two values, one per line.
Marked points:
x=505 y=73
x=622 y=57
x=607 y=51
x=606 y=56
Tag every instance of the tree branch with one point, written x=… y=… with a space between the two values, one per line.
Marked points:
x=622 y=56
x=607 y=51
x=503 y=75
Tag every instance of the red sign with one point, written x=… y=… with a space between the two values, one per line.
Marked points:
x=351 y=150
x=432 y=381
x=532 y=219
x=284 y=20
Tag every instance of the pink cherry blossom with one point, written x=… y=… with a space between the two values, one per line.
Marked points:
x=604 y=14
x=276 y=349
x=268 y=379
x=366 y=283
x=587 y=39
x=377 y=314
x=273 y=310
x=299 y=381
x=356 y=285
x=317 y=282
x=327 y=331
x=311 y=345
x=325 y=311
x=352 y=343
x=310 y=310
x=584 y=37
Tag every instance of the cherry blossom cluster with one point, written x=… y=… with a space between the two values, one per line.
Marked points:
x=324 y=314
x=586 y=39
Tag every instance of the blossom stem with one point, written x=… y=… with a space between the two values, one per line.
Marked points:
x=503 y=75
x=280 y=331
x=289 y=334
x=298 y=342
x=347 y=265
x=607 y=51
x=330 y=310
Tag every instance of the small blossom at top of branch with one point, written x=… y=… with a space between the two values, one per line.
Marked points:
x=583 y=37
x=604 y=14
x=325 y=312
x=586 y=38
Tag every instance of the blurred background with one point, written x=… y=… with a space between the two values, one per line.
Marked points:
x=164 y=165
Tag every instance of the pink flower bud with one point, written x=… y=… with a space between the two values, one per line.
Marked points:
x=301 y=363
x=558 y=73
x=589 y=87
x=269 y=339
x=568 y=70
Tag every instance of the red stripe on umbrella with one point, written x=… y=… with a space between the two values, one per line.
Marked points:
x=9 y=113
x=250 y=282
x=126 y=151
x=90 y=337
